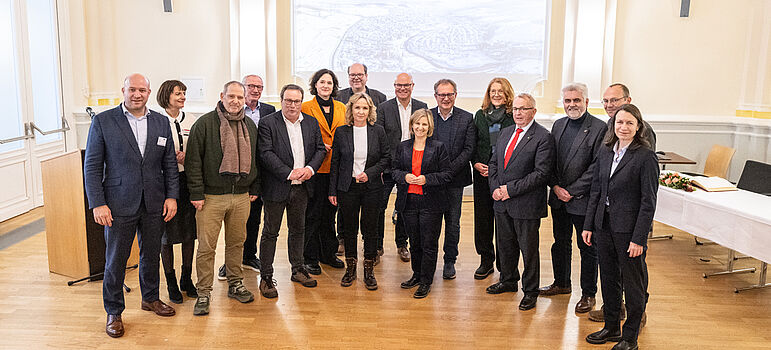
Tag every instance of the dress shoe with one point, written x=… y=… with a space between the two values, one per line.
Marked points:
x=528 y=301
x=483 y=271
x=448 y=272
x=412 y=282
x=625 y=345
x=159 y=307
x=313 y=269
x=603 y=335
x=599 y=315
x=501 y=287
x=333 y=262
x=404 y=253
x=114 y=326
x=553 y=289
x=422 y=291
x=586 y=304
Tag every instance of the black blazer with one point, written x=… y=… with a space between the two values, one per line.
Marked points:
x=463 y=140
x=276 y=153
x=526 y=175
x=341 y=169
x=436 y=168
x=377 y=97
x=573 y=171
x=266 y=109
x=631 y=193
x=388 y=118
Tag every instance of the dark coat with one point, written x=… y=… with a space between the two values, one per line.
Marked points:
x=378 y=158
x=435 y=167
x=345 y=94
x=463 y=138
x=388 y=118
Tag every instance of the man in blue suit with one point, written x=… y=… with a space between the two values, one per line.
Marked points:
x=132 y=184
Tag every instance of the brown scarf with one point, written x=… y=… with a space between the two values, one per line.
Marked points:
x=236 y=148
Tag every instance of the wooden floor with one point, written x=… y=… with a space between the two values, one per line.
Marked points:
x=686 y=311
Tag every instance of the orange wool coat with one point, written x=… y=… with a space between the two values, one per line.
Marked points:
x=313 y=109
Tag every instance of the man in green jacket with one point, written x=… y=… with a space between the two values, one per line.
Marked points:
x=223 y=179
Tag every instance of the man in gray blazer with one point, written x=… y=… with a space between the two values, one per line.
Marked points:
x=577 y=139
x=518 y=171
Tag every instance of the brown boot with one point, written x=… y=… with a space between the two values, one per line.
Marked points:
x=369 y=274
x=350 y=272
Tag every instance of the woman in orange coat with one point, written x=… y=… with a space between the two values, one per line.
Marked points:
x=320 y=240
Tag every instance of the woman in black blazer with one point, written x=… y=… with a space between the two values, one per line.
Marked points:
x=619 y=215
x=360 y=153
x=421 y=171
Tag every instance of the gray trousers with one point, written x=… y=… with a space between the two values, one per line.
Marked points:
x=295 y=219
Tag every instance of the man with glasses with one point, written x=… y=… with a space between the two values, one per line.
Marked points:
x=254 y=110
x=455 y=128
x=519 y=170
x=291 y=151
x=577 y=139
x=394 y=116
x=357 y=80
x=617 y=95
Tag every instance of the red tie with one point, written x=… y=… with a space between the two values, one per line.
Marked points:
x=510 y=149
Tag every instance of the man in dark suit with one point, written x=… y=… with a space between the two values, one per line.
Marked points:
x=394 y=116
x=255 y=110
x=519 y=169
x=131 y=180
x=577 y=139
x=357 y=80
x=291 y=152
x=455 y=128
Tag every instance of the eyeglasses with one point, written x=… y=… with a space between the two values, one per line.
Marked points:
x=521 y=109
x=613 y=100
x=292 y=102
x=356 y=75
x=403 y=86
x=497 y=92
x=443 y=96
x=252 y=86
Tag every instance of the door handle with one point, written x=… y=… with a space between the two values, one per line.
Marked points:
x=65 y=127
x=27 y=135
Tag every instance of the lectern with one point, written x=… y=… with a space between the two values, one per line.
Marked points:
x=75 y=241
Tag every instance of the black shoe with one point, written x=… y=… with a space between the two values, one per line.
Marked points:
x=501 y=287
x=222 y=274
x=313 y=269
x=528 y=302
x=483 y=271
x=412 y=282
x=448 y=272
x=603 y=335
x=186 y=283
x=625 y=345
x=422 y=291
x=171 y=285
x=253 y=264
x=334 y=262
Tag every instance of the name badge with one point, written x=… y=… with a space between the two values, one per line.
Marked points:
x=161 y=141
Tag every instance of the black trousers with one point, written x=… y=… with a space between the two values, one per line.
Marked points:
x=253 y=230
x=295 y=222
x=359 y=204
x=148 y=228
x=484 y=221
x=517 y=236
x=424 y=226
x=400 y=233
x=320 y=241
x=562 y=251
x=616 y=267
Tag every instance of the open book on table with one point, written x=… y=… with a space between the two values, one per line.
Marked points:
x=713 y=184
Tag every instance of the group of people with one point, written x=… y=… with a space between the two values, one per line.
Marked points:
x=331 y=163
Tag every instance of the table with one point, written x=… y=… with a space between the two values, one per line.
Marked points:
x=738 y=220
x=672 y=158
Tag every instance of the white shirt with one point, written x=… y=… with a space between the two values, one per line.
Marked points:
x=295 y=132
x=521 y=135
x=359 y=149
x=448 y=114
x=138 y=127
x=404 y=116
x=185 y=123
x=618 y=154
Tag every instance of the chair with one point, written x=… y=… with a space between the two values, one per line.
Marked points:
x=756 y=177
x=718 y=161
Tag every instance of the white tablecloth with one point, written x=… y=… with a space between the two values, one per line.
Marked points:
x=738 y=220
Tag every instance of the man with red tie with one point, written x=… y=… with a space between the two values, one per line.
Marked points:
x=518 y=176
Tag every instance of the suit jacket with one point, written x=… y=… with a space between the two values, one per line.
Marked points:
x=313 y=109
x=463 y=139
x=435 y=166
x=573 y=171
x=266 y=109
x=630 y=191
x=378 y=158
x=276 y=154
x=116 y=173
x=525 y=177
x=388 y=118
x=345 y=94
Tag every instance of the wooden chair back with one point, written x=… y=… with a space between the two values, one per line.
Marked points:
x=718 y=161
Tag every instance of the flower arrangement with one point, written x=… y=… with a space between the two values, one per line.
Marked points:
x=676 y=181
